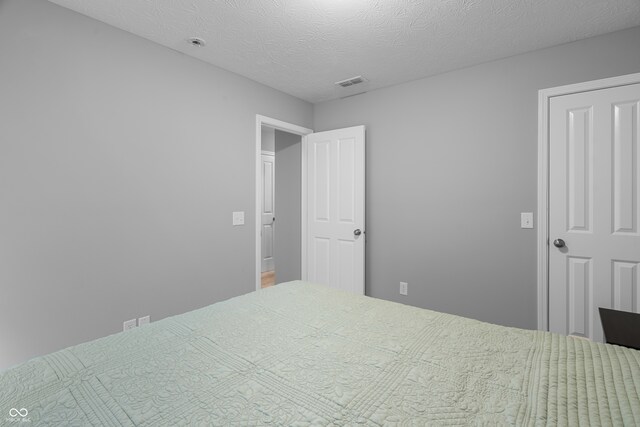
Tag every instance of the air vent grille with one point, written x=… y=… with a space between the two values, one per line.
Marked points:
x=350 y=82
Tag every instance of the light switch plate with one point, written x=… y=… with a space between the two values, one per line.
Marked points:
x=526 y=220
x=238 y=218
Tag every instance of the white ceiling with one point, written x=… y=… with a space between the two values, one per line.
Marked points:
x=302 y=47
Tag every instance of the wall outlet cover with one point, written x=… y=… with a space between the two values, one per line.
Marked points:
x=129 y=324
x=404 y=288
x=144 y=320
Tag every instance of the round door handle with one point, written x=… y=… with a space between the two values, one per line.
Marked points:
x=357 y=232
x=558 y=243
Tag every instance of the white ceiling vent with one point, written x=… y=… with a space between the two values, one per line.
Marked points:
x=352 y=81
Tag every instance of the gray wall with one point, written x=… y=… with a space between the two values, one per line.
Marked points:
x=268 y=139
x=451 y=163
x=120 y=164
x=288 y=202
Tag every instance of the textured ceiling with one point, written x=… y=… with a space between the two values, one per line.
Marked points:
x=302 y=47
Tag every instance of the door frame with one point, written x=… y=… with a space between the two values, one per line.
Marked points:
x=544 y=98
x=286 y=127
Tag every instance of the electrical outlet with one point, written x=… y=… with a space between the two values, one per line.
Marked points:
x=144 y=320
x=129 y=324
x=404 y=288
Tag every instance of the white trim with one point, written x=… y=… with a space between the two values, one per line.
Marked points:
x=544 y=97
x=280 y=125
x=286 y=127
x=303 y=211
x=268 y=153
x=543 y=194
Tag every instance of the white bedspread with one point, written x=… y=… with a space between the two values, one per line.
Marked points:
x=300 y=354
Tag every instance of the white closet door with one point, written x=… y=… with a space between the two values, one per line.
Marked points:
x=594 y=208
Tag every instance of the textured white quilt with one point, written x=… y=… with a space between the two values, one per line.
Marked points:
x=300 y=354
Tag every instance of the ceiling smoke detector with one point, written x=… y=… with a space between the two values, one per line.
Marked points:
x=350 y=82
x=196 y=41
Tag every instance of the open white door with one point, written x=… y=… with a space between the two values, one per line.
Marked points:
x=334 y=208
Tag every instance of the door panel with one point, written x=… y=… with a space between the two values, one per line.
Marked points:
x=594 y=196
x=335 y=205
x=626 y=208
x=320 y=261
x=346 y=181
x=322 y=191
x=580 y=169
x=580 y=285
x=625 y=286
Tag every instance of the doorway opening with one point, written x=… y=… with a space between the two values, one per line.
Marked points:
x=279 y=183
x=282 y=198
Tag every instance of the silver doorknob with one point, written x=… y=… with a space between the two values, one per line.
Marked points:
x=558 y=243
x=357 y=232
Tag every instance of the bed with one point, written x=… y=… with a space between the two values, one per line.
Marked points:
x=303 y=354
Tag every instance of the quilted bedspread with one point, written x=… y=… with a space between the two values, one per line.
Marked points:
x=302 y=354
